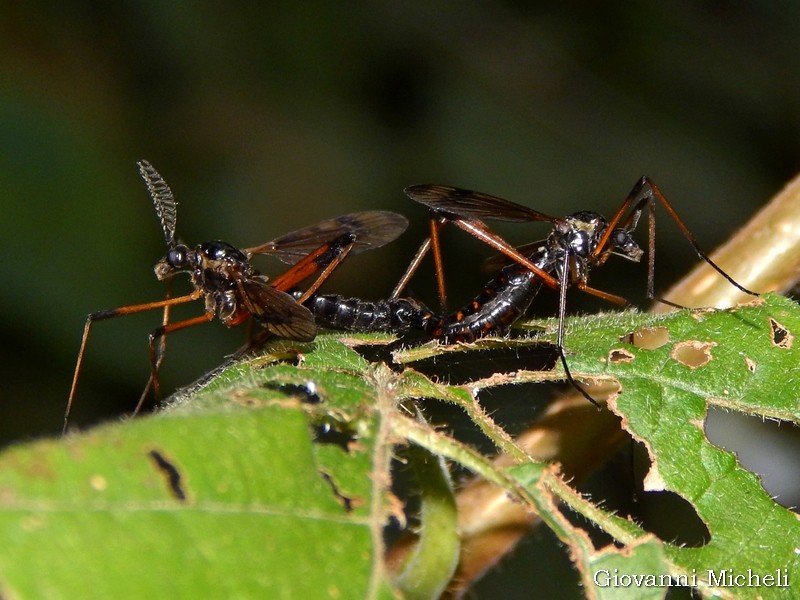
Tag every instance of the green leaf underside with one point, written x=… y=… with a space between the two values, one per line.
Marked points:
x=269 y=512
x=240 y=502
x=427 y=570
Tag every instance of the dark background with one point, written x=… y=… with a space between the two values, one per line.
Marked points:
x=266 y=117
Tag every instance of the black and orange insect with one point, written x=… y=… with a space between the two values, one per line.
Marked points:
x=232 y=289
x=576 y=244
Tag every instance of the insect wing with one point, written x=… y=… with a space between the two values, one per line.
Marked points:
x=498 y=261
x=278 y=311
x=468 y=204
x=371 y=229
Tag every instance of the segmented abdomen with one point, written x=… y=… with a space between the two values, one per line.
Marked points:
x=399 y=315
x=504 y=300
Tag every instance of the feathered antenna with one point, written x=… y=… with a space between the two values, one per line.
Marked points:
x=163 y=199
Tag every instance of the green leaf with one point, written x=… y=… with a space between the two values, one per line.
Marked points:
x=738 y=359
x=272 y=478
x=427 y=570
x=746 y=354
x=225 y=496
x=637 y=572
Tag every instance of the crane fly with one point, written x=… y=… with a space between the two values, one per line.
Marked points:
x=468 y=209
x=232 y=289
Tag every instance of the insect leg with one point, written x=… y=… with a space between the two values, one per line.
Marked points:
x=110 y=314
x=327 y=257
x=155 y=359
x=479 y=230
x=411 y=269
x=436 y=223
x=653 y=193
x=562 y=309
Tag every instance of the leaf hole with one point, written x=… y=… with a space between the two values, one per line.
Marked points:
x=672 y=518
x=306 y=391
x=326 y=428
x=620 y=355
x=766 y=448
x=334 y=432
x=647 y=338
x=171 y=473
x=693 y=353
x=619 y=483
x=347 y=503
x=781 y=337
x=464 y=367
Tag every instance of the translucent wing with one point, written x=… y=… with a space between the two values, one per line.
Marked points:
x=468 y=204
x=277 y=311
x=498 y=261
x=371 y=229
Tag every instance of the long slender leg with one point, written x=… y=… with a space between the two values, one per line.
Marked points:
x=604 y=295
x=562 y=310
x=651 y=251
x=616 y=220
x=651 y=257
x=436 y=224
x=645 y=194
x=161 y=353
x=411 y=269
x=477 y=229
x=110 y=314
x=436 y=247
x=656 y=193
x=483 y=233
x=155 y=359
x=326 y=272
x=312 y=263
x=325 y=259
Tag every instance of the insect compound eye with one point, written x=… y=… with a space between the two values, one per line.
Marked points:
x=620 y=238
x=176 y=257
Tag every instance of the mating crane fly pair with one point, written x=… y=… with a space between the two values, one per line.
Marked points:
x=233 y=289
x=235 y=292
x=576 y=244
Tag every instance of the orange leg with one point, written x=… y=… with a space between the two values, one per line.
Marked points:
x=109 y=314
x=312 y=264
x=483 y=233
x=156 y=357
